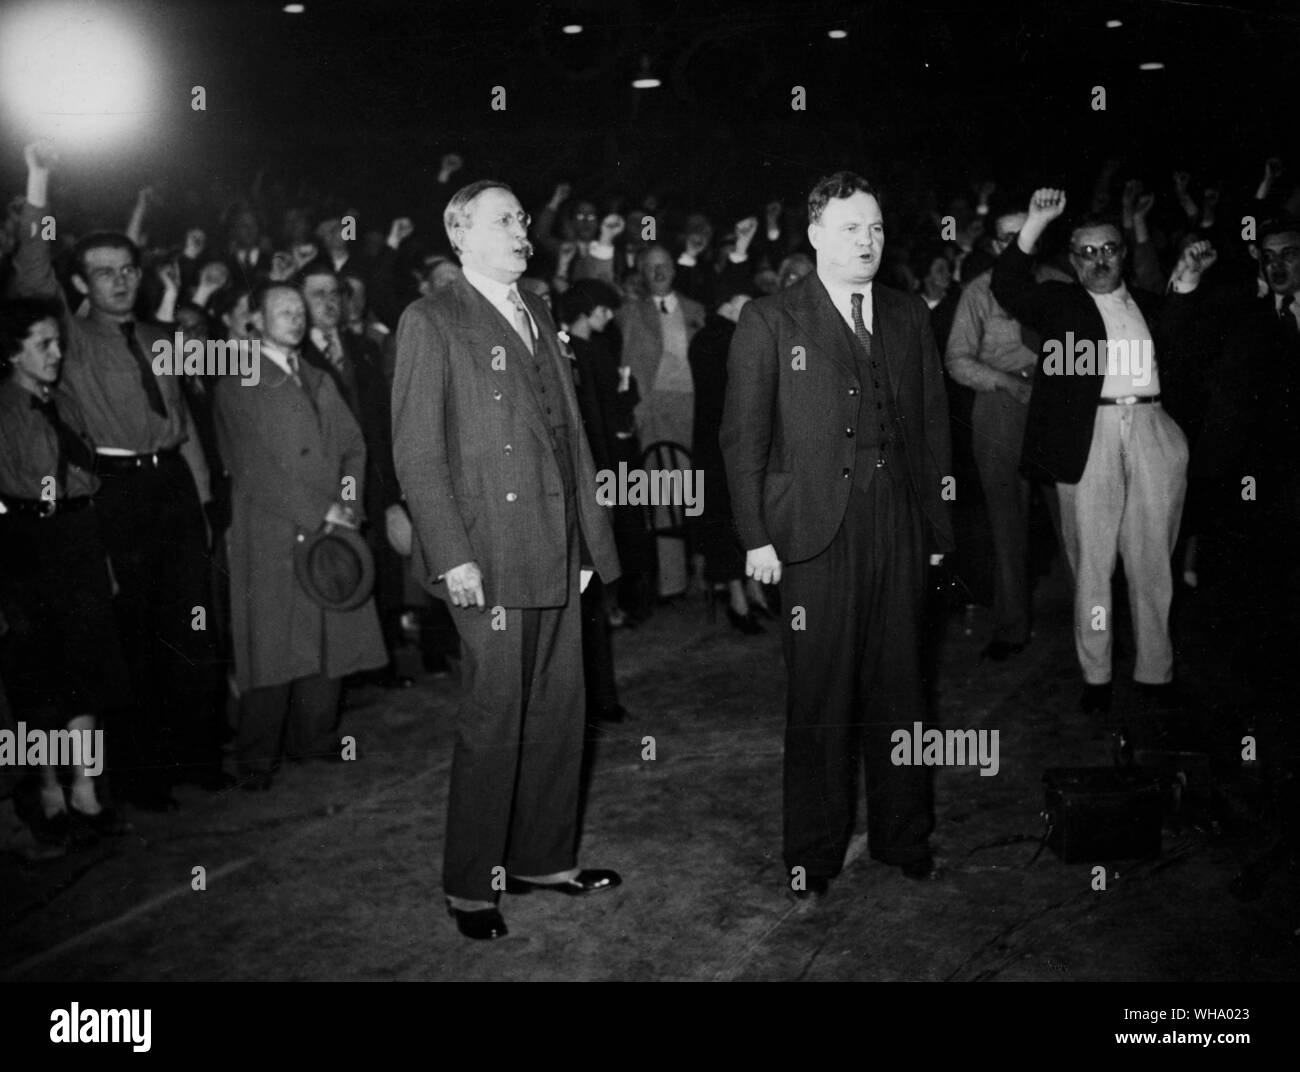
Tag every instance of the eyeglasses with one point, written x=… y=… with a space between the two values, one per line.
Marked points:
x=584 y=215
x=111 y=275
x=1108 y=252
x=1289 y=255
x=506 y=219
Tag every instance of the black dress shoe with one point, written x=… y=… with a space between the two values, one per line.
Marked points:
x=745 y=623
x=107 y=823
x=922 y=870
x=999 y=651
x=813 y=887
x=1164 y=698
x=1095 y=699
x=481 y=924
x=583 y=882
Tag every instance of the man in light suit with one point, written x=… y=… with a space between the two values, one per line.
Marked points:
x=835 y=438
x=501 y=488
x=657 y=332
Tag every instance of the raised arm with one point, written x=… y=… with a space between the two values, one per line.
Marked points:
x=1014 y=286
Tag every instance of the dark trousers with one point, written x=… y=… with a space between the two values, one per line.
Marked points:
x=855 y=677
x=513 y=800
x=302 y=713
x=998 y=431
x=597 y=650
x=153 y=529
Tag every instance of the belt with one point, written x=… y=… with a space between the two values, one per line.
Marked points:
x=1128 y=400
x=44 y=508
x=130 y=463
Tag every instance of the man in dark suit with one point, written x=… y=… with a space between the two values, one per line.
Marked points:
x=835 y=437
x=1096 y=427
x=1247 y=448
x=501 y=487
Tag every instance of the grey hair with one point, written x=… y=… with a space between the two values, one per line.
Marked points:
x=458 y=210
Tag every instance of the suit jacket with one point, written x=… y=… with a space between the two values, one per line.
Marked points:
x=473 y=452
x=789 y=462
x=1058 y=430
x=1252 y=424
x=643 y=336
x=287 y=450
x=363 y=385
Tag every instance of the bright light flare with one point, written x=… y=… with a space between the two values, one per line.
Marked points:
x=78 y=73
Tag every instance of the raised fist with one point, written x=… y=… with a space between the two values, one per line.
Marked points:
x=401 y=229
x=451 y=163
x=611 y=227
x=195 y=243
x=1046 y=205
x=40 y=155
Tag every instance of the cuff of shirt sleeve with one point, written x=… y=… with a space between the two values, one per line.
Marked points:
x=600 y=252
x=686 y=260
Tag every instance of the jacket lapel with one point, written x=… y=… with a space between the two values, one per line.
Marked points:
x=486 y=329
x=817 y=316
x=887 y=317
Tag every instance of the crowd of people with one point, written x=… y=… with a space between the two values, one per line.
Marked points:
x=149 y=521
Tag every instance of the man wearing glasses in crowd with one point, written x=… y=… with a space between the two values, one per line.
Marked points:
x=1097 y=428
x=153 y=480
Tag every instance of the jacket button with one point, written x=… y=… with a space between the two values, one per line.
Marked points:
x=853 y=391
x=511 y=496
x=848 y=432
x=846 y=473
x=496 y=396
x=509 y=448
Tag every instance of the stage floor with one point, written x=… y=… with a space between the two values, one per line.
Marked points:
x=333 y=874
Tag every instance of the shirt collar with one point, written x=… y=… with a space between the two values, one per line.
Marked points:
x=842 y=296
x=496 y=292
x=1118 y=296
x=277 y=354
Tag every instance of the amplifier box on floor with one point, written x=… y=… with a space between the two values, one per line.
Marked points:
x=1102 y=813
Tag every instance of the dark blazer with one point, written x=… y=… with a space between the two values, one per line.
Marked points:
x=473 y=452
x=1252 y=425
x=789 y=462
x=1058 y=430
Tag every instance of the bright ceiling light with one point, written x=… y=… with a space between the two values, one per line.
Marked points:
x=571 y=28
x=75 y=72
x=1153 y=65
x=1113 y=24
x=294 y=9
x=837 y=35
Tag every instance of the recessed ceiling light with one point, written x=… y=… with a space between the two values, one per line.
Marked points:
x=837 y=35
x=571 y=28
x=1113 y=24
x=294 y=9
x=1154 y=65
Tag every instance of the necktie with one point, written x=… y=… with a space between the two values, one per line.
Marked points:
x=663 y=306
x=1286 y=314
x=72 y=449
x=292 y=361
x=523 y=325
x=860 y=326
x=147 y=379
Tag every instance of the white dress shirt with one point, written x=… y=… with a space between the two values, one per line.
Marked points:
x=1138 y=374
x=499 y=295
